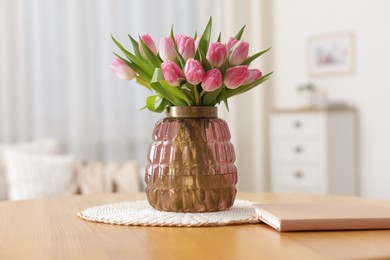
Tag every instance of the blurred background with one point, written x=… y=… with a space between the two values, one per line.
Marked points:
x=56 y=81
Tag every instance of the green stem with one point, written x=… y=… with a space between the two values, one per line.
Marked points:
x=196 y=94
x=202 y=94
x=188 y=94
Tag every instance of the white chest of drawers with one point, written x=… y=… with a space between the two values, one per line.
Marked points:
x=313 y=151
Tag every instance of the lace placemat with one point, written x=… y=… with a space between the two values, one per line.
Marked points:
x=140 y=213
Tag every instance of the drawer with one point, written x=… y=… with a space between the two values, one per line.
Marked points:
x=296 y=175
x=298 y=124
x=298 y=150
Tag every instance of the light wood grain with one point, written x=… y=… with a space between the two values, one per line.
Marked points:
x=50 y=229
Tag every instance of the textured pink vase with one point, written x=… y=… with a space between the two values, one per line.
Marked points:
x=191 y=162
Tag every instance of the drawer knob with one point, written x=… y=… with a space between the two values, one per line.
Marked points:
x=298 y=175
x=298 y=149
x=297 y=124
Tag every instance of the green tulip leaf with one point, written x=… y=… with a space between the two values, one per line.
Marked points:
x=153 y=58
x=219 y=37
x=205 y=39
x=225 y=66
x=174 y=94
x=142 y=66
x=179 y=58
x=132 y=65
x=134 y=43
x=239 y=33
x=142 y=83
x=224 y=97
x=205 y=63
x=209 y=98
x=245 y=88
x=255 y=56
x=151 y=102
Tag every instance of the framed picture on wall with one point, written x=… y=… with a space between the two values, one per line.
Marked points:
x=330 y=54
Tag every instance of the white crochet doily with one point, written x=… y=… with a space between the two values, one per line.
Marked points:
x=140 y=213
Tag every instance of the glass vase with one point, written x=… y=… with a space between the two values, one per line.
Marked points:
x=191 y=162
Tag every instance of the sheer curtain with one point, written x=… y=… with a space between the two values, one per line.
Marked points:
x=55 y=76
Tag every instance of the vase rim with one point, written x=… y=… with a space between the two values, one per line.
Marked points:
x=192 y=111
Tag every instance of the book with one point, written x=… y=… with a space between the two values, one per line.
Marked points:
x=324 y=216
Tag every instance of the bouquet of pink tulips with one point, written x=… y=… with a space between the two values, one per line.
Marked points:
x=186 y=71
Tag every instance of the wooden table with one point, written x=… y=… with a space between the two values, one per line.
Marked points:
x=49 y=229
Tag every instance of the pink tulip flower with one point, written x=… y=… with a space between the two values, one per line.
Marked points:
x=239 y=53
x=148 y=42
x=193 y=71
x=236 y=76
x=212 y=80
x=122 y=70
x=216 y=54
x=230 y=43
x=254 y=74
x=167 y=49
x=185 y=46
x=172 y=73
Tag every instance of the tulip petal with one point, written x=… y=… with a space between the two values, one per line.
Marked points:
x=245 y=88
x=216 y=54
x=122 y=70
x=171 y=73
x=167 y=49
x=239 y=53
x=143 y=68
x=193 y=71
x=150 y=55
x=235 y=76
x=254 y=74
x=212 y=80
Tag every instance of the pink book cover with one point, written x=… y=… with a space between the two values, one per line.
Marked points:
x=324 y=216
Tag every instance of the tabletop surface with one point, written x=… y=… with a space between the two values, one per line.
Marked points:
x=50 y=229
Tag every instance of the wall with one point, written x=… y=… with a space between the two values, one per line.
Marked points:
x=367 y=88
